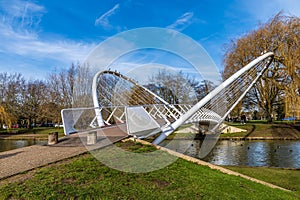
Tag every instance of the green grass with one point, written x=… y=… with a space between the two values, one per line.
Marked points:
x=257 y=121
x=187 y=135
x=184 y=126
x=36 y=130
x=275 y=130
x=240 y=134
x=251 y=126
x=47 y=130
x=84 y=177
x=274 y=122
x=286 y=178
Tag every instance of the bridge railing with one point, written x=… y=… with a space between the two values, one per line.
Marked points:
x=82 y=119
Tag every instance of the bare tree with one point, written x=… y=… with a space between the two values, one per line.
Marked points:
x=139 y=96
x=11 y=86
x=60 y=87
x=33 y=97
x=175 y=88
x=281 y=36
x=83 y=87
x=203 y=88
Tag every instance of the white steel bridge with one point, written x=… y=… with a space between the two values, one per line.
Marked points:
x=118 y=99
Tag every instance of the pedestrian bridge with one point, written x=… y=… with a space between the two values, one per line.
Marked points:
x=120 y=100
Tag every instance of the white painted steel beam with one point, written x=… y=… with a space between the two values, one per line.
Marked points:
x=170 y=129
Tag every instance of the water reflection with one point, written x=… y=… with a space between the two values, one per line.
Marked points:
x=6 y=145
x=247 y=153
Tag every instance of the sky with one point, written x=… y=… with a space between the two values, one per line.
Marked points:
x=38 y=37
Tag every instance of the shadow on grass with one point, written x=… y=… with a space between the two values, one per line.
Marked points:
x=251 y=131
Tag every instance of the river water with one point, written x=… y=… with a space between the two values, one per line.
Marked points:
x=269 y=153
x=6 y=145
x=275 y=153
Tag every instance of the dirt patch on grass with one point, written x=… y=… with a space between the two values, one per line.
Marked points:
x=160 y=183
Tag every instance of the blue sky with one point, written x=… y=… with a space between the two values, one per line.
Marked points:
x=40 y=36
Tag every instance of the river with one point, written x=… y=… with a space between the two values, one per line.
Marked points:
x=268 y=153
x=6 y=145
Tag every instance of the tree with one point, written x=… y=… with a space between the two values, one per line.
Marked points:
x=11 y=86
x=139 y=96
x=175 y=88
x=60 y=87
x=33 y=96
x=281 y=36
x=82 y=88
x=5 y=118
x=36 y=101
x=203 y=88
x=106 y=87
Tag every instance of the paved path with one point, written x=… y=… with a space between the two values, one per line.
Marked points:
x=27 y=158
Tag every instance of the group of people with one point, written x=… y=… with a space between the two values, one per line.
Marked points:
x=243 y=119
x=236 y=119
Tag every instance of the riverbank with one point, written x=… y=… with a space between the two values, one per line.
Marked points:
x=259 y=131
x=254 y=131
x=84 y=177
x=39 y=133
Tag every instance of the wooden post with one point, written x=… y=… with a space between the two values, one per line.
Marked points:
x=53 y=138
x=92 y=138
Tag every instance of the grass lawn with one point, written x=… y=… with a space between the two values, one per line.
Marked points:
x=289 y=179
x=35 y=130
x=84 y=177
x=264 y=130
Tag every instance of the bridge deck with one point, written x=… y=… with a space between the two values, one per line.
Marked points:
x=27 y=158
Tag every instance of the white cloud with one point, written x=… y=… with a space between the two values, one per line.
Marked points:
x=29 y=45
x=22 y=14
x=20 y=42
x=103 y=19
x=182 y=22
x=18 y=8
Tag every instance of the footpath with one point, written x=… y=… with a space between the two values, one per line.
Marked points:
x=24 y=159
